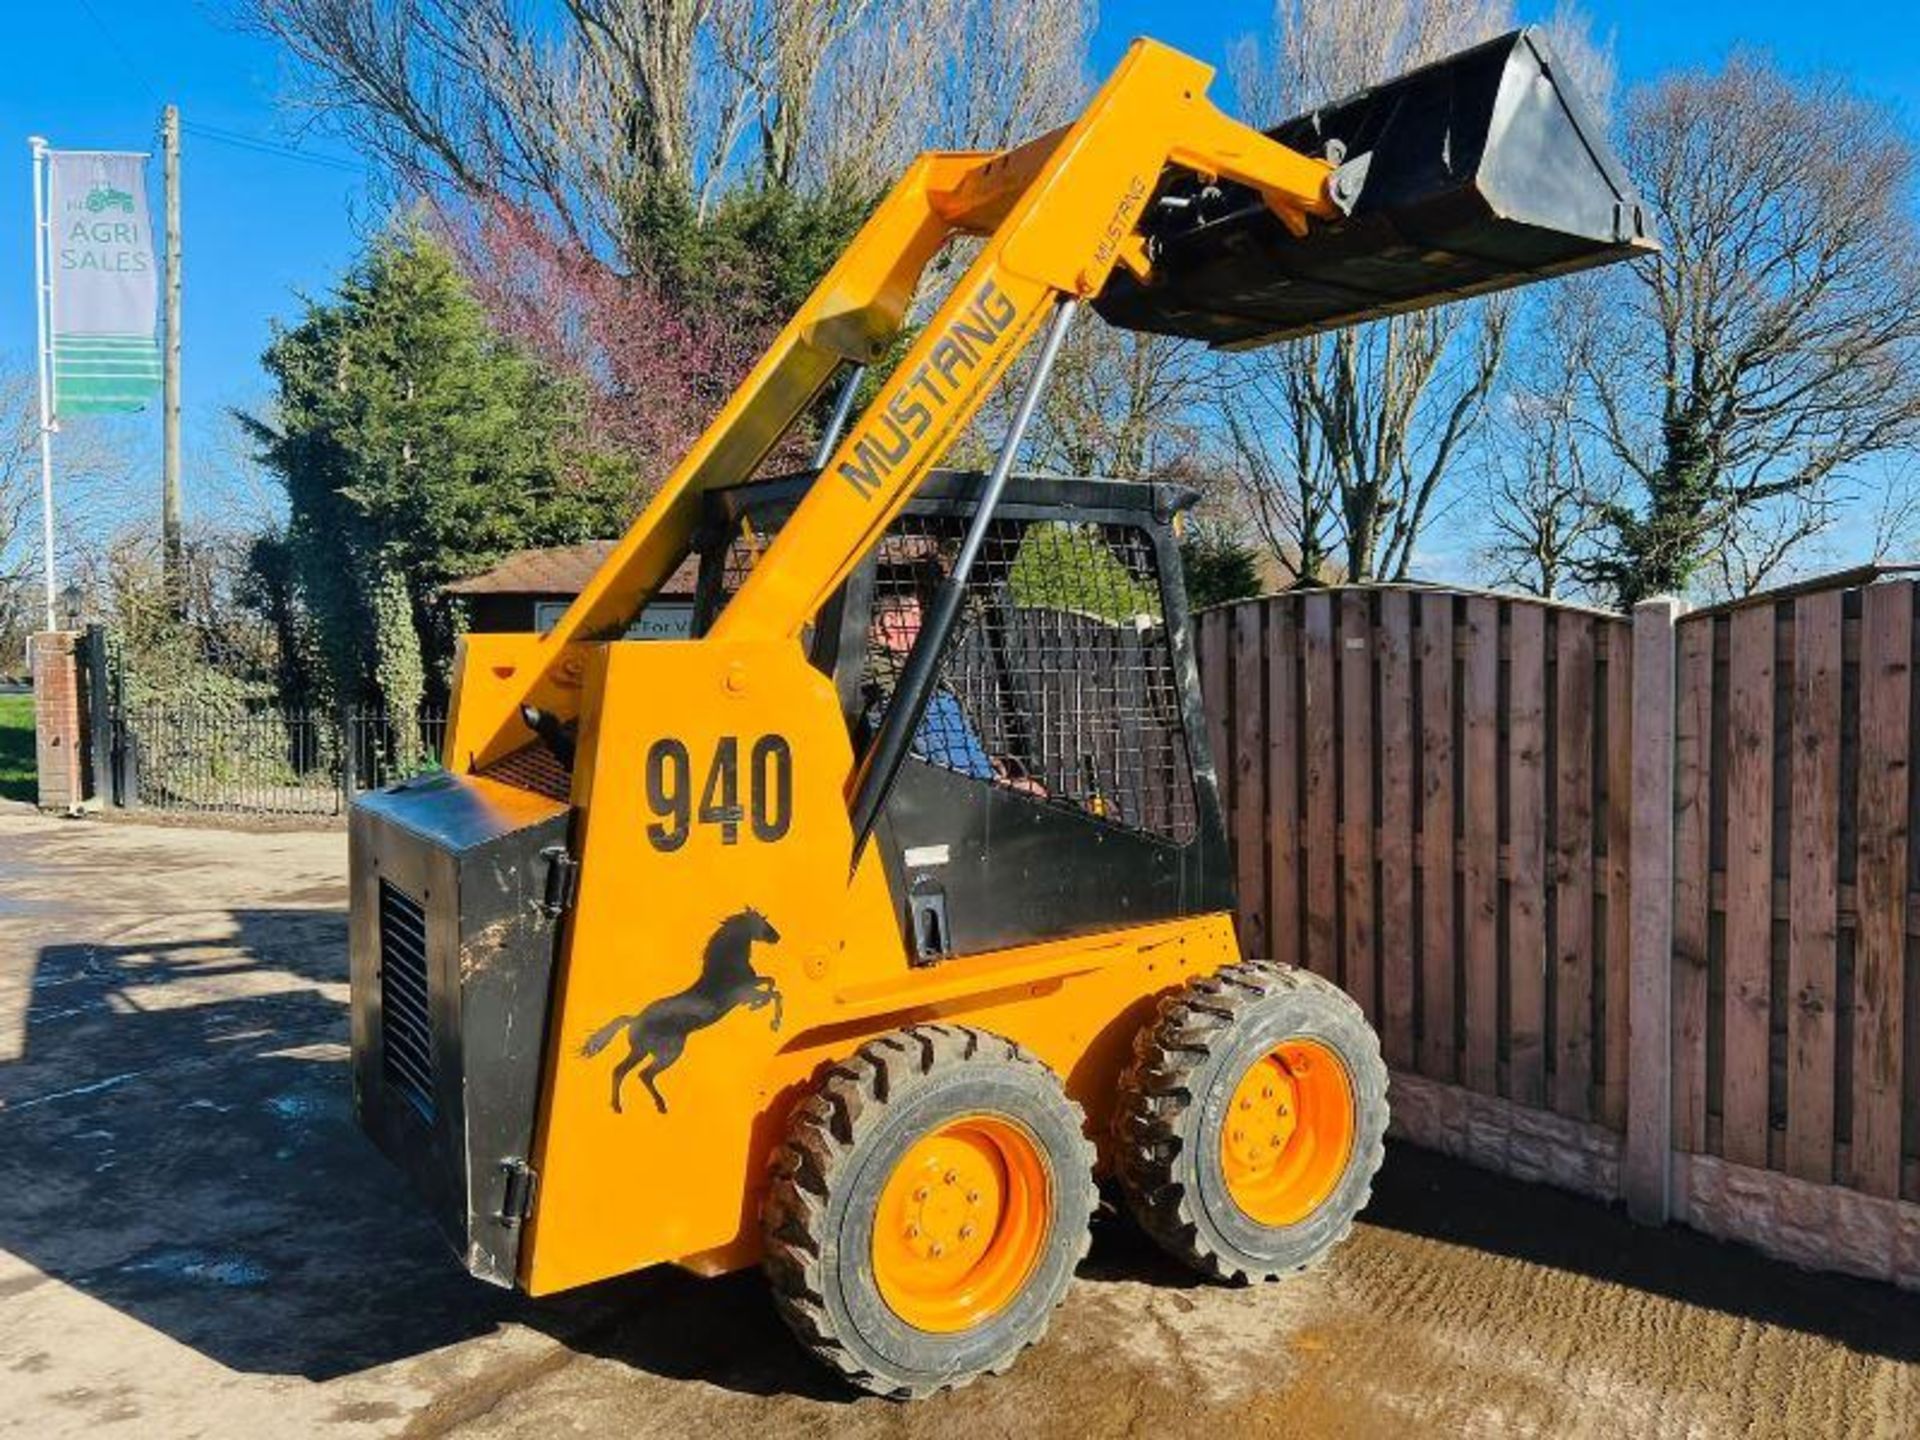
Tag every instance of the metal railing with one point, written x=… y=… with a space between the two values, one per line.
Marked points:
x=264 y=761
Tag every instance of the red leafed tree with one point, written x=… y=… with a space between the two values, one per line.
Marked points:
x=655 y=371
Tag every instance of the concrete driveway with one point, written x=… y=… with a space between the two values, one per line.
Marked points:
x=195 y=1241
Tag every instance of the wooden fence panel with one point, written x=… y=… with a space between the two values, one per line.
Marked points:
x=1879 y=973
x=1420 y=827
x=1210 y=641
x=1814 y=886
x=1283 y=782
x=1746 y=1013
x=1480 y=858
x=1357 y=794
x=1692 y=869
x=1251 y=804
x=1616 y=813
x=1439 y=762
x=1396 y=828
x=1322 y=917
x=1573 y=869
x=1527 y=855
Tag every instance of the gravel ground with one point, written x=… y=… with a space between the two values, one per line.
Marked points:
x=195 y=1241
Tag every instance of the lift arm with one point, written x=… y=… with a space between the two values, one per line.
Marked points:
x=1057 y=215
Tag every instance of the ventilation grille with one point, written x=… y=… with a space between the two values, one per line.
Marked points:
x=533 y=767
x=406 y=1033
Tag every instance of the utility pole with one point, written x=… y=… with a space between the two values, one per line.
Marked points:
x=170 y=529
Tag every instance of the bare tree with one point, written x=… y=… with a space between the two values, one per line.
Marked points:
x=101 y=476
x=19 y=467
x=1368 y=423
x=1774 y=345
x=953 y=74
x=1896 y=514
x=577 y=121
x=1347 y=441
x=1770 y=543
x=1120 y=404
x=1547 y=483
x=1544 y=510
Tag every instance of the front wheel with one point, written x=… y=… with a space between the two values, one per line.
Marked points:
x=1252 y=1121
x=929 y=1206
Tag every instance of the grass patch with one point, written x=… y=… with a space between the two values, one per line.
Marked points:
x=18 y=775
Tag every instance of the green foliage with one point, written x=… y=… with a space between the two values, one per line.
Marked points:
x=416 y=447
x=754 y=257
x=179 y=642
x=1219 y=564
x=19 y=770
x=1065 y=567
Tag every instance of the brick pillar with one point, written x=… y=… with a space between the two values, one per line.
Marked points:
x=60 y=743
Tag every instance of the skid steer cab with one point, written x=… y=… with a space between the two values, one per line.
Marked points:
x=854 y=935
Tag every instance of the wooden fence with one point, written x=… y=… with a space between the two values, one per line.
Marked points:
x=1795 y=890
x=1419 y=786
x=1434 y=797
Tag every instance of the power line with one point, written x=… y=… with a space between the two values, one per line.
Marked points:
x=240 y=140
x=126 y=60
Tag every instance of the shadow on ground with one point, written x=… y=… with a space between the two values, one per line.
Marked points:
x=177 y=1142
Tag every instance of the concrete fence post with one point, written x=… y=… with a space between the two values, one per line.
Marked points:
x=1648 y=1170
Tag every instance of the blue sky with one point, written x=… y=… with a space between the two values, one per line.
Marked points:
x=262 y=225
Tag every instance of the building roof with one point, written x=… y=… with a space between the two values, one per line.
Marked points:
x=560 y=570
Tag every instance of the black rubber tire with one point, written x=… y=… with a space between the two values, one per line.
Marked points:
x=842 y=1143
x=1186 y=1064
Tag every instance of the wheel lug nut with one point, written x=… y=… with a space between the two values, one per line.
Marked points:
x=953 y=1177
x=921 y=1193
x=913 y=1232
x=966 y=1232
x=1266 y=1092
x=937 y=1249
x=973 y=1197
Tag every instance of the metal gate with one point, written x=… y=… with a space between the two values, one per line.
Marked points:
x=238 y=757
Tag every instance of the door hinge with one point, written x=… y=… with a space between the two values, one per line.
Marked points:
x=516 y=1197
x=562 y=881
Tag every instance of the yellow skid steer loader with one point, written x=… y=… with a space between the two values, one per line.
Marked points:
x=855 y=935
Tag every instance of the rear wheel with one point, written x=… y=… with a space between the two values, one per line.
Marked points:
x=1252 y=1121
x=929 y=1205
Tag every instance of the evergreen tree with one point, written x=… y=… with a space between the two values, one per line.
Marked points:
x=416 y=447
x=1220 y=565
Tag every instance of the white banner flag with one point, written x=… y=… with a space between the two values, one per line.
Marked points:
x=104 y=282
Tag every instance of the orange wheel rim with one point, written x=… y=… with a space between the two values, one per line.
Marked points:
x=961 y=1223
x=1287 y=1134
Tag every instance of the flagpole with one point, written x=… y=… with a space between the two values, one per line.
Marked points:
x=42 y=297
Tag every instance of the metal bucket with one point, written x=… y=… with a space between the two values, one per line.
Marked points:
x=1477 y=172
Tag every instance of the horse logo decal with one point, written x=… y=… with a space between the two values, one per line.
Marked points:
x=727 y=980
